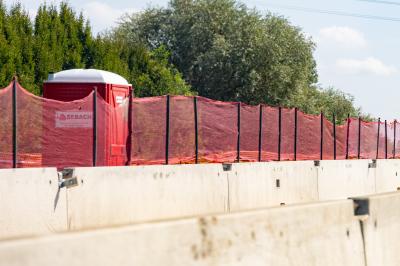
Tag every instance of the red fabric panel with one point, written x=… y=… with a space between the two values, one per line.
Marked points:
x=328 y=140
x=148 y=130
x=218 y=130
x=381 y=148
x=353 y=138
x=30 y=129
x=309 y=137
x=249 y=132
x=369 y=131
x=397 y=141
x=117 y=129
x=270 y=133
x=287 y=134
x=182 y=130
x=53 y=133
x=390 y=140
x=6 y=147
x=341 y=137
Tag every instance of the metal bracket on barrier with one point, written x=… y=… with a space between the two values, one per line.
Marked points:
x=67 y=178
x=373 y=164
x=227 y=166
x=361 y=206
x=316 y=163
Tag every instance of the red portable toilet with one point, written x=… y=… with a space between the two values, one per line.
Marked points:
x=76 y=84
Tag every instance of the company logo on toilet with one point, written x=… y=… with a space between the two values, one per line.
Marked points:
x=73 y=119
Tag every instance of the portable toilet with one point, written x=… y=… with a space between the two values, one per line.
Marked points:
x=75 y=84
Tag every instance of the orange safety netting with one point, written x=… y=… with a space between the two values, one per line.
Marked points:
x=159 y=130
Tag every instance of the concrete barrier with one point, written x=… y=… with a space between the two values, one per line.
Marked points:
x=255 y=185
x=108 y=196
x=387 y=175
x=31 y=203
x=313 y=234
x=381 y=230
x=343 y=179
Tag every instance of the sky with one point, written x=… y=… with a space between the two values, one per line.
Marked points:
x=357 y=55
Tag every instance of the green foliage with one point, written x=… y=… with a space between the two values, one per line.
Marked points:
x=149 y=71
x=61 y=39
x=226 y=51
x=16 y=52
x=219 y=48
x=329 y=101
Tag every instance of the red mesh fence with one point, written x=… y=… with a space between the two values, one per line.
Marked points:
x=328 y=140
x=60 y=134
x=309 y=137
x=249 y=132
x=396 y=139
x=341 y=140
x=353 y=138
x=287 y=134
x=270 y=133
x=164 y=130
x=148 y=130
x=182 y=130
x=217 y=130
x=367 y=141
x=381 y=141
x=6 y=127
x=390 y=141
x=113 y=122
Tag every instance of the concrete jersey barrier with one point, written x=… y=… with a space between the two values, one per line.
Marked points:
x=381 y=230
x=312 y=234
x=31 y=203
x=109 y=196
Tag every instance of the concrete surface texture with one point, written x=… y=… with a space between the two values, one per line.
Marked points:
x=382 y=230
x=255 y=185
x=31 y=203
x=311 y=234
x=387 y=175
x=120 y=195
x=342 y=179
x=110 y=196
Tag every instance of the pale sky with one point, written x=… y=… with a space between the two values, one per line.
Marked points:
x=357 y=55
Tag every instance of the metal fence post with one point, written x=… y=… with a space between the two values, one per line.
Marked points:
x=377 y=138
x=196 y=134
x=394 y=139
x=322 y=137
x=238 y=129
x=295 y=134
x=347 y=136
x=167 y=132
x=130 y=129
x=359 y=138
x=14 y=123
x=334 y=136
x=260 y=133
x=94 y=127
x=386 y=151
x=279 y=132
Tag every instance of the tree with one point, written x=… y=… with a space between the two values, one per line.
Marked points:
x=16 y=45
x=228 y=52
x=149 y=71
x=329 y=101
x=61 y=39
